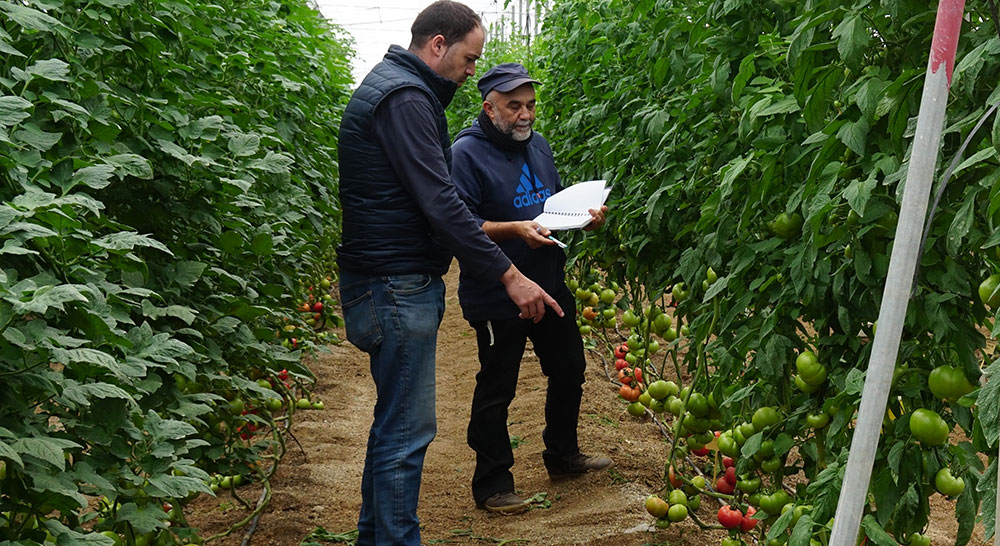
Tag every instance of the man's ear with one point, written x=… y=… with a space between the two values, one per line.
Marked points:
x=437 y=45
x=488 y=106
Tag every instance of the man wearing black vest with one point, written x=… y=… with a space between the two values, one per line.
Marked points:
x=402 y=222
x=505 y=172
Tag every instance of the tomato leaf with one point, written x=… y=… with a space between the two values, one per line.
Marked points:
x=49 y=450
x=986 y=487
x=875 y=532
x=854 y=134
x=989 y=402
x=802 y=531
x=145 y=519
x=746 y=71
x=858 y=193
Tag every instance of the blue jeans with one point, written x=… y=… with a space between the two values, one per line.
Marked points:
x=395 y=320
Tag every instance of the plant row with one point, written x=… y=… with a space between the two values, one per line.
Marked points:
x=166 y=197
x=757 y=151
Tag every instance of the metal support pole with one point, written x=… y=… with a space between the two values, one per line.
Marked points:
x=913 y=210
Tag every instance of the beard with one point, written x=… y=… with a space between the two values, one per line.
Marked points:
x=518 y=130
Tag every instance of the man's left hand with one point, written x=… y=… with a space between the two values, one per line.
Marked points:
x=597 y=218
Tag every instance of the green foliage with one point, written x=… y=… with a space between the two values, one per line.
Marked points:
x=167 y=177
x=713 y=118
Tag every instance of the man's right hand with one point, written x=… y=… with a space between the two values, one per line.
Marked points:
x=528 y=296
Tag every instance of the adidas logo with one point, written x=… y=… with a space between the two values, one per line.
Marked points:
x=530 y=192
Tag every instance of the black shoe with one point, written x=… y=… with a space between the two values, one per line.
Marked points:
x=505 y=502
x=576 y=465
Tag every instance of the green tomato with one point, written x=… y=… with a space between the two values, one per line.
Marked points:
x=948 y=383
x=773 y=503
x=917 y=539
x=809 y=368
x=677 y=497
x=730 y=541
x=698 y=482
x=748 y=485
x=711 y=276
x=677 y=512
x=645 y=399
x=817 y=420
x=694 y=503
x=728 y=445
x=661 y=323
x=928 y=427
x=989 y=290
x=608 y=296
x=770 y=465
x=678 y=293
x=805 y=387
x=766 y=450
x=739 y=437
x=670 y=334
x=636 y=409
x=765 y=417
x=947 y=484
x=675 y=405
x=698 y=404
x=236 y=406
x=630 y=319
x=663 y=389
x=786 y=225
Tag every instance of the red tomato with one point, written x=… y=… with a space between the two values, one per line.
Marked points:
x=724 y=487
x=730 y=517
x=620 y=364
x=700 y=452
x=638 y=374
x=731 y=476
x=672 y=478
x=621 y=350
x=748 y=522
x=727 y=462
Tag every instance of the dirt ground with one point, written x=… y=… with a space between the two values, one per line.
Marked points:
x=318 y=485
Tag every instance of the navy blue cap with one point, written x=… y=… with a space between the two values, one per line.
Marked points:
x=504 y=78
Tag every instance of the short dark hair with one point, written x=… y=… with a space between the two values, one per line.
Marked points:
x=452 y=20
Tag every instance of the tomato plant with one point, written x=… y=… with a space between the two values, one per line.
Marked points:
x=759 y=162
x=166 y=185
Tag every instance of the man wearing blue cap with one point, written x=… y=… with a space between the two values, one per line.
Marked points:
x=505 y=172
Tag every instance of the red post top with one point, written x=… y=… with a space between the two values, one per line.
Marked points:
x=947 y=28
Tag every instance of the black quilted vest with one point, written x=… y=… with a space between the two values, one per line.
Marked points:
x=384 y=231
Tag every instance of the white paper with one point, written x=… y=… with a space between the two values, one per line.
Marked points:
x=569 y=209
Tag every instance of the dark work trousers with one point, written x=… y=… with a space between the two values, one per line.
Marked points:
x=559 y=348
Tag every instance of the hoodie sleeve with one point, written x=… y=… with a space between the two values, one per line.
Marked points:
x=466 y=178
x=407 y=128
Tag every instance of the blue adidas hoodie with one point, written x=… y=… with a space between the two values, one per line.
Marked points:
x=504 y=186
